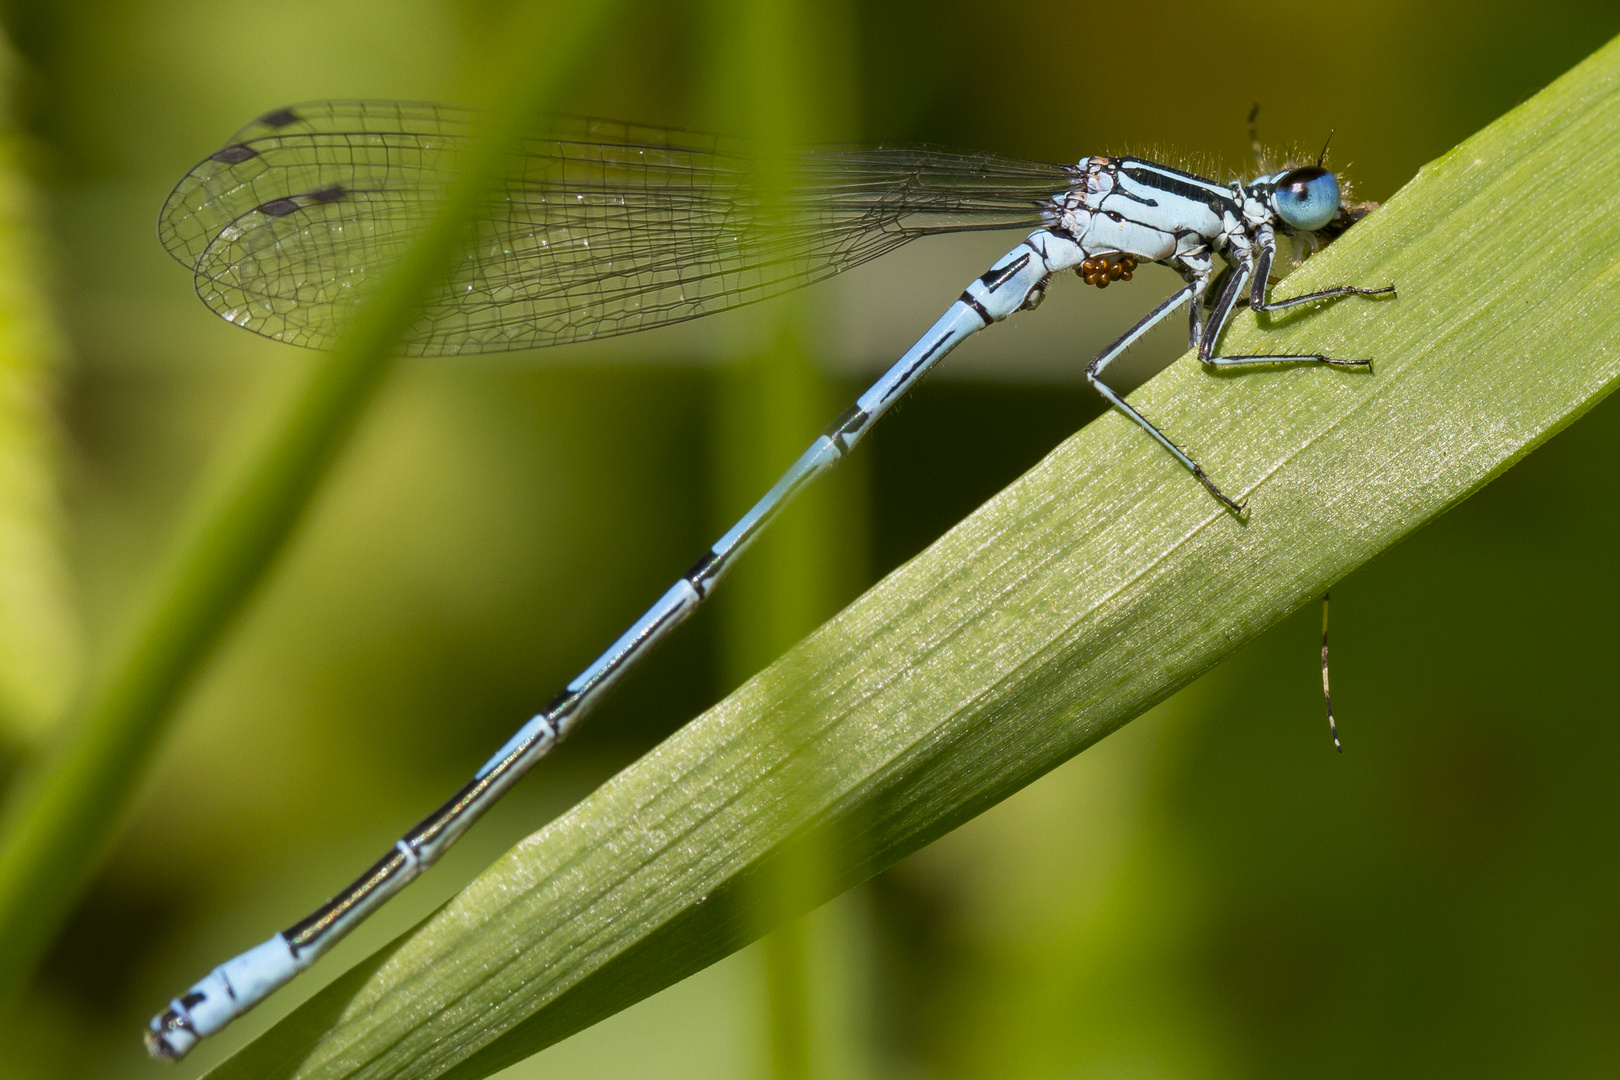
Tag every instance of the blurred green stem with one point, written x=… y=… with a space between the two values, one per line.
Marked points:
x=772 y=58
x=788 y=990
x=41 y=641
x=773 y=405
x=61 y=820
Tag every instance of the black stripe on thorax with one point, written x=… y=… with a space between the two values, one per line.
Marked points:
x=1182 y=184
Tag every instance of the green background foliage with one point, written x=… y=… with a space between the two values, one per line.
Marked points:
x=1209 y=892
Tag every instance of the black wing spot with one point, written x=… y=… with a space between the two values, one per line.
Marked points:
x=280 y=118
x=278 y=207
x=234 y=155
x=331 y=193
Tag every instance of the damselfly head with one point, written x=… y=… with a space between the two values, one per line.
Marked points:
x=1307 y=198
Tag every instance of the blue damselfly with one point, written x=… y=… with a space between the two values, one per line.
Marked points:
x=604 y=229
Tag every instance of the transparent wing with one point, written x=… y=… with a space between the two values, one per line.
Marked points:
x=602 y=229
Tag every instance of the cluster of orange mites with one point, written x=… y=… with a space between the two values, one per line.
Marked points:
x=1098 y=271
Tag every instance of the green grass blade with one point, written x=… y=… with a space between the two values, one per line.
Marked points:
x=1088 y=591
x=60 y=822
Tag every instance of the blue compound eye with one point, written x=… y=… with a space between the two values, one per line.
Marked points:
x=1307 y=198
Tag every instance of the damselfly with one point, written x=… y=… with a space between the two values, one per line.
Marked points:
x=604 y=229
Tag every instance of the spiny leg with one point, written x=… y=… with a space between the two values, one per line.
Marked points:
x=1221 y=314
x=1197 y=316
x=1260 y=269
x=1094 y=371
x=1333 y=292
x=1266 y=239
x=1239 y=360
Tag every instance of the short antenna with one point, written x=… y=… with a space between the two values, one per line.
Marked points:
x=1254 y=139
x=1323 y=155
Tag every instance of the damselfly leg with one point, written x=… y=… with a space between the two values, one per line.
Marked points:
x=1094 y=373
x=1206 y=331
x=1260 y=270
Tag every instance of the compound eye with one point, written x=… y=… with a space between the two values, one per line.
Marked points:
x=1307 y=198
